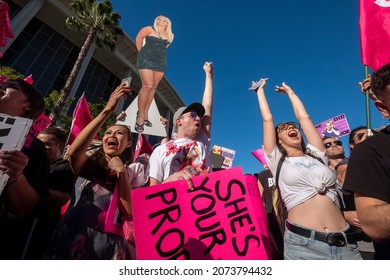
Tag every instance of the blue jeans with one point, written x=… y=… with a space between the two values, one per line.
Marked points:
x=297 y=247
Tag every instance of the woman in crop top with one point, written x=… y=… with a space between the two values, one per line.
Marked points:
x=315 y=226
x=152 y=43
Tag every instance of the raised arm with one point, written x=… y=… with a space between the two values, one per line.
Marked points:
x=269 y=136
x=207 y=100
x=308 y=128
x=77 y=151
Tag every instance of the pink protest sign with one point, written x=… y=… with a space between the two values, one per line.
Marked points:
x=335 y=127
x=40 y=124
x=221 y=219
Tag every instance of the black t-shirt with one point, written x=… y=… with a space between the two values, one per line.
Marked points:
x=15 y=231
x=37 y=169
x=61 y=176
x=267 y=181
x=276 y=230
x=368 y=173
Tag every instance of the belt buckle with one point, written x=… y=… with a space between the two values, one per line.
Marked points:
x=335 y=239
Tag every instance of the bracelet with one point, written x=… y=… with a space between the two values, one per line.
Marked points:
x=14 y=181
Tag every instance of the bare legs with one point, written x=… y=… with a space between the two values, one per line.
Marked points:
x=150 y=80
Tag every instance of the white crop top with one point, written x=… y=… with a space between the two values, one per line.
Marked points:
x=303 y=177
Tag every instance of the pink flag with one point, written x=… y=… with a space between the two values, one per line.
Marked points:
x=5 y=24
x=142 y=147
x=259 y=155
x=29 y=79
x=81 y=118
x=374 y=25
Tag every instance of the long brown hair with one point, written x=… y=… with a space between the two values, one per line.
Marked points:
x=281 y=212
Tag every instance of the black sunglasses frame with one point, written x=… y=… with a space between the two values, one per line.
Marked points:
x=294 y=124
x=330 y=144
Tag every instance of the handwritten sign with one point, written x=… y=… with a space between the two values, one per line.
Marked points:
x=223 y=218
x=339 y=123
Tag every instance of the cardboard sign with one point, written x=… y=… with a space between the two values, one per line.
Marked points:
x=340 y=127
x=13 y=131
x=223 y=218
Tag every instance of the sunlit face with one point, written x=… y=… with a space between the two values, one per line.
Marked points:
x=334 y=147
x=162 y=21
x=53 y=148
x=115 y=141
x=189 y=124
x=289 y=134
x=12 y=100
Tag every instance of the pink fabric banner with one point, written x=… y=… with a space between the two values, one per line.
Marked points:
x=374 y=23
x=222 y=219
x=81 y=118
x=142 y=147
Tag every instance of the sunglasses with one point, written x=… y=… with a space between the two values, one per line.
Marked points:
x=284 y=126
x=329 y=144
x=192 y=115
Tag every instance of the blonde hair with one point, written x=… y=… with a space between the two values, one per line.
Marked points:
x=170 y=35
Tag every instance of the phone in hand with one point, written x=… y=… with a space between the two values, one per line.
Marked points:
x=256 y=86
x=127 y=81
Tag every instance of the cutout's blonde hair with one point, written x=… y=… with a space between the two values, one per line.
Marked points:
x=170 y=35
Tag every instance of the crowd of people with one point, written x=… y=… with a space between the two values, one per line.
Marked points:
x=319 y=204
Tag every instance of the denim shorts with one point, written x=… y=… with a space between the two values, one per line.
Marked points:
x=297 y=247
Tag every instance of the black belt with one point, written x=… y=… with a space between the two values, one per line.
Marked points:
x=332 y=238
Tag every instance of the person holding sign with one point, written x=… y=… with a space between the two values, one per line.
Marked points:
x=93 y=228
x=315 y=226
x=152 y=43
x=28 y=170
x=187 y=154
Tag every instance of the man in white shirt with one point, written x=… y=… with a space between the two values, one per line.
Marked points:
x=187 y=154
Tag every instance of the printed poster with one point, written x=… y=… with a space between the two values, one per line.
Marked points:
x=228 y=155
x=335 y=127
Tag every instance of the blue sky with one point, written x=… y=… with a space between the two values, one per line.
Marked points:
x=313 y=46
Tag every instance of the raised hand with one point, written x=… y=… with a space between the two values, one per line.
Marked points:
x=283 y=89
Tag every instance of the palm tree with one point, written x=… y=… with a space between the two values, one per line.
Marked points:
x=102 y=25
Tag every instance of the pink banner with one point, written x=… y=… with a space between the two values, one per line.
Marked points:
x=335 y=127
x=222 y=219
x=374 y=22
